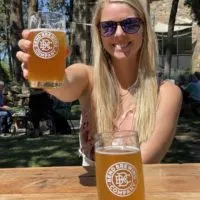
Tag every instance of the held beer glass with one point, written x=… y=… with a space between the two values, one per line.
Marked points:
x=119 y=173
x=48 y=53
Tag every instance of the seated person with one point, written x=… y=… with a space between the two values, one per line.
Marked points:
x=5 y=114
x=192 y=100
x=193 y=89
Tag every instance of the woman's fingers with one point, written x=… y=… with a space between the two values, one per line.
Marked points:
x=24 y=44
x=22 y=56
x=25 y=33
x=24 y=70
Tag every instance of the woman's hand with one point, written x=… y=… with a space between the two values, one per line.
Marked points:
x=23 y=56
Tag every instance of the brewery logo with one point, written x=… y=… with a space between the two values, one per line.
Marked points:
x=45 y=45
x=121 y=179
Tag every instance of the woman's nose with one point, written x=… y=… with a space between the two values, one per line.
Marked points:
x=119 y=31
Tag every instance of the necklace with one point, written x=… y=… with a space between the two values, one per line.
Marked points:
x=129 y=89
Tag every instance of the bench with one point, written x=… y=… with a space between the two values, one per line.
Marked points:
x=19 y=123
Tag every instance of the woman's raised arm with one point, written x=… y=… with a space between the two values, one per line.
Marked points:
x=77 y=76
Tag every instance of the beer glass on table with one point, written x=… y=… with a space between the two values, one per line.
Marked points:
x=119 y=173
x=48 y=53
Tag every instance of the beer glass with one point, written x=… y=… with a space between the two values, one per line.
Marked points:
x=48 y=53
x=119 y=173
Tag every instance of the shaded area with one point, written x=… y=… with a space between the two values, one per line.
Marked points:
x=62 y=150
x=186 y=145
x=48 y=150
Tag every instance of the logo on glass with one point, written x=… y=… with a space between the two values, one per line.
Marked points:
x=121 y=179
x=45 y=45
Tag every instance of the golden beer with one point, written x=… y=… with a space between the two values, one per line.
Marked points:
x=119 y=173
x=47 y=58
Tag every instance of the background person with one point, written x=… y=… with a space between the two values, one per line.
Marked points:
x=120 y=91
x=44 y=107
x=192 y=93
x=193 y=89
x=5 y=114
x=40 y=108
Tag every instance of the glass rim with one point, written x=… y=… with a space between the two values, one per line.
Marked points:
x=41 y=20
x=109 y=134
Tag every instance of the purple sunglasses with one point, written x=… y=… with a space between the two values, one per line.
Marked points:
x=129 y=25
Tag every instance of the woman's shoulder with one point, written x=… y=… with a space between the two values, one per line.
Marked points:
x=168 y=86
x=81 y=69
x=81 y=66
x=169 y=91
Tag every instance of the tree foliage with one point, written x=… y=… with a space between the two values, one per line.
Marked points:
x=62 y=6
x=195 y=9
x=16 y=27
x=5 y=47
x=13 y=18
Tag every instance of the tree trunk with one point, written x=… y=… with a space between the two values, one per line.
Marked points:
x=16 y=29
x=80 y=36
x=7 y=31
x=196 y=52
x=32 y=7
x=148 y=5
x=168 y=54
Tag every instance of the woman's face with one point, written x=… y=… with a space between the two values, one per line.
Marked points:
x=121 y=45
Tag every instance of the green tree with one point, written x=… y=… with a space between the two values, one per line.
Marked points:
x=16 y=26
x=32 y=6
x=195 y=9
x=5 y=47
x=81 y=27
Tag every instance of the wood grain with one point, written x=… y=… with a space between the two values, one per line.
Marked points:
x=162 y=182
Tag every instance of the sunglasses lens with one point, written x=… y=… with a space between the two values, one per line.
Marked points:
x=131 y=25
x=107 y=28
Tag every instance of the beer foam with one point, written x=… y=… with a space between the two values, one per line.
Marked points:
x=46 y=29
x=114 y=150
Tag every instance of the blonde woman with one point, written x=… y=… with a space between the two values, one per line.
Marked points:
x=120 y=91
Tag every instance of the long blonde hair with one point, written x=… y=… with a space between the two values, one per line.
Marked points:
x=104 y=92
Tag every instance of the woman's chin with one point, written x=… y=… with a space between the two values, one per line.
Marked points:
x=120 y=56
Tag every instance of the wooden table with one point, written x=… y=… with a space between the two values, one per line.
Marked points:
x=162 y=182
